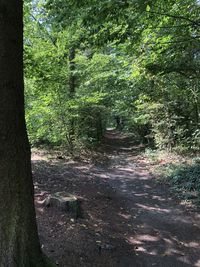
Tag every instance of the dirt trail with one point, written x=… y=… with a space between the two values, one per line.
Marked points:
x=166 y=234
x=129 y=220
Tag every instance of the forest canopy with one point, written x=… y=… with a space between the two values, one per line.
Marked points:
x=134 y=65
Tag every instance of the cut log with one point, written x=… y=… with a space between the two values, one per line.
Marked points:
x=65 y=202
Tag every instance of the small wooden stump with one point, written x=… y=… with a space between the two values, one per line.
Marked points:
x=65 y=202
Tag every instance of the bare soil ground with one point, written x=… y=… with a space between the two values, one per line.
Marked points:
x=128 y=219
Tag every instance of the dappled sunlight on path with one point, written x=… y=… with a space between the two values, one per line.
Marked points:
x=166 y=233
x=124 y=207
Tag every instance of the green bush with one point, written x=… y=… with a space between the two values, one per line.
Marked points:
x=186 y=180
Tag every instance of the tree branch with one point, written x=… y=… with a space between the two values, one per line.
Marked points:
x=176 y=17
x=42 y=28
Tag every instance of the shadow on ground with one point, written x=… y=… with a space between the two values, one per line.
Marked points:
x=129 y=220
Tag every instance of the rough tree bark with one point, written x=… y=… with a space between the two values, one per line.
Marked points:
x=19 y=244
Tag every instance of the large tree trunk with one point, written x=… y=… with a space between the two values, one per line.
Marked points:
x=19 y=244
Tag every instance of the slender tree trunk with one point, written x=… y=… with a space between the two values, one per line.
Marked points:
x=72 y=91
x=196 y=108
x=19 y=244
x=72 y=88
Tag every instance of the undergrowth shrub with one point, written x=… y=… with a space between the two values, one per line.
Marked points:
x=186 y=180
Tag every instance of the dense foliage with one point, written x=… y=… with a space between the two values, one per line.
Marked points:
x=134 y=65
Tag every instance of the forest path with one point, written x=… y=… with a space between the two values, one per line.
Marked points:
x=129 y=219
x=166 y=233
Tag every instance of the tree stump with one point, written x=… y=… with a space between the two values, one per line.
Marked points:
x=64 y=202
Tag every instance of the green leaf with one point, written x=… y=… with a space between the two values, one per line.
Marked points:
x=148 y=8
